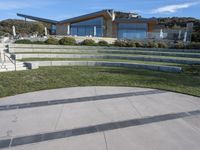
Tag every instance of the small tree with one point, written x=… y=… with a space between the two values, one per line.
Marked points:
x=67 y=41
x=103 y=43
x=52 y=41
x=88 y=42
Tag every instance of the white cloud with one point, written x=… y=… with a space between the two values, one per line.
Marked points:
x=14 y=4
x=173 y=8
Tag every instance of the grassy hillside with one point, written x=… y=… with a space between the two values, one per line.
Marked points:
x=181 y=22
x=22 y=27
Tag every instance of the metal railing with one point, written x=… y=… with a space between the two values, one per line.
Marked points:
x=4 y=57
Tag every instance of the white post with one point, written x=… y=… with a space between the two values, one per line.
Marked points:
x=95 y=30
x=68 y=29
x=185 y=37
x=161 y=34
x=45 y=31
x=179 y=35
x=14 y=31
x=1 y=53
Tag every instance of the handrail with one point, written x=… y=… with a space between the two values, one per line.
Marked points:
x=11 y=58
x=13 y=61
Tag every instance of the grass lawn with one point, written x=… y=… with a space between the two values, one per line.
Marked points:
x=12 y=83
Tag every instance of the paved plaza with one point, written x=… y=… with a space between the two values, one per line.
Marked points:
x=100 y=118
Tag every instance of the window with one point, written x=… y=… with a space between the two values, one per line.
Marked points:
x=132 y=30
x=53 y=29
x=86 y=28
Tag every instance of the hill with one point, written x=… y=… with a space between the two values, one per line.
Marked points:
x=181 y=22
x=22 y=27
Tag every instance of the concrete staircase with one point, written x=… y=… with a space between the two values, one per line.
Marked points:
x=8 y=63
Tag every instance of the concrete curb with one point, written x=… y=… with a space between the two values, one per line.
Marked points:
x=108 y=64
x=169 y=60
x=15 y=47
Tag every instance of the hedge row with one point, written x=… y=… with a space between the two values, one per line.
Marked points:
x=64 y=41
x=118 y=43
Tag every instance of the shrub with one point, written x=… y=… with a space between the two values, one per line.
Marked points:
x=162 y=45
x=38 y=42
x=52 y=41
x=120 y=43
x=193 y=46
x=152 y=45
x=179 y=46
x=130 y=44
x=88 y=42
x=23 y=42
x=67 y=41
x=139 y=44
x=103 y=43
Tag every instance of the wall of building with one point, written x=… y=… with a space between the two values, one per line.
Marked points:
x=61 y=29
x=109 y=30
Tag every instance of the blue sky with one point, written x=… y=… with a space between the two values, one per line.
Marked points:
x=63 y=9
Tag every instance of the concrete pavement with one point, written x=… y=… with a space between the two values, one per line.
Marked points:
x=104 y=118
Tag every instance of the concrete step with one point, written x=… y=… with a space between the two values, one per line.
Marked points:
x=13 y=69
x=54 y=48
x=163 y=68
x=122 y=52
x=178 y=60
x=8 y=66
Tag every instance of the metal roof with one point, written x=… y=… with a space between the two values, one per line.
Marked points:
x=106 y=11
x=38 y=19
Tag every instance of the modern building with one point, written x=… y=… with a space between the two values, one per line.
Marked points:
x=105 y=23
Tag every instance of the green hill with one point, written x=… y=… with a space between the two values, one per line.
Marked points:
x=22 y=27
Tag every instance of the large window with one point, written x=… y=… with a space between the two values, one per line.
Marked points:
x=132 y=30
x=53 y=29
x=93 y=27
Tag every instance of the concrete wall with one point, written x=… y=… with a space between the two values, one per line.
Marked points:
x=107 y=64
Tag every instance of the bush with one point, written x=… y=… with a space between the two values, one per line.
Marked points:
x=67 y=41
x=103 y=43
x=52 y=41
x=23 y=42
x=88 y=42
x=179 y=46
x=120 y=43
x=152 y=45
x=38 y=42
x=193 y=46
x=162 y=45
x=130 y=44
x=139 y=44
x=196 y=36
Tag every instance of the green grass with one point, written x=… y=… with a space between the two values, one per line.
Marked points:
x=12 y=83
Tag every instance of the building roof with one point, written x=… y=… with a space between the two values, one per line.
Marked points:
x=38 y=19
x=106 y=13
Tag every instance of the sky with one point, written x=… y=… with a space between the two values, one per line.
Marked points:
x=64 y=9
